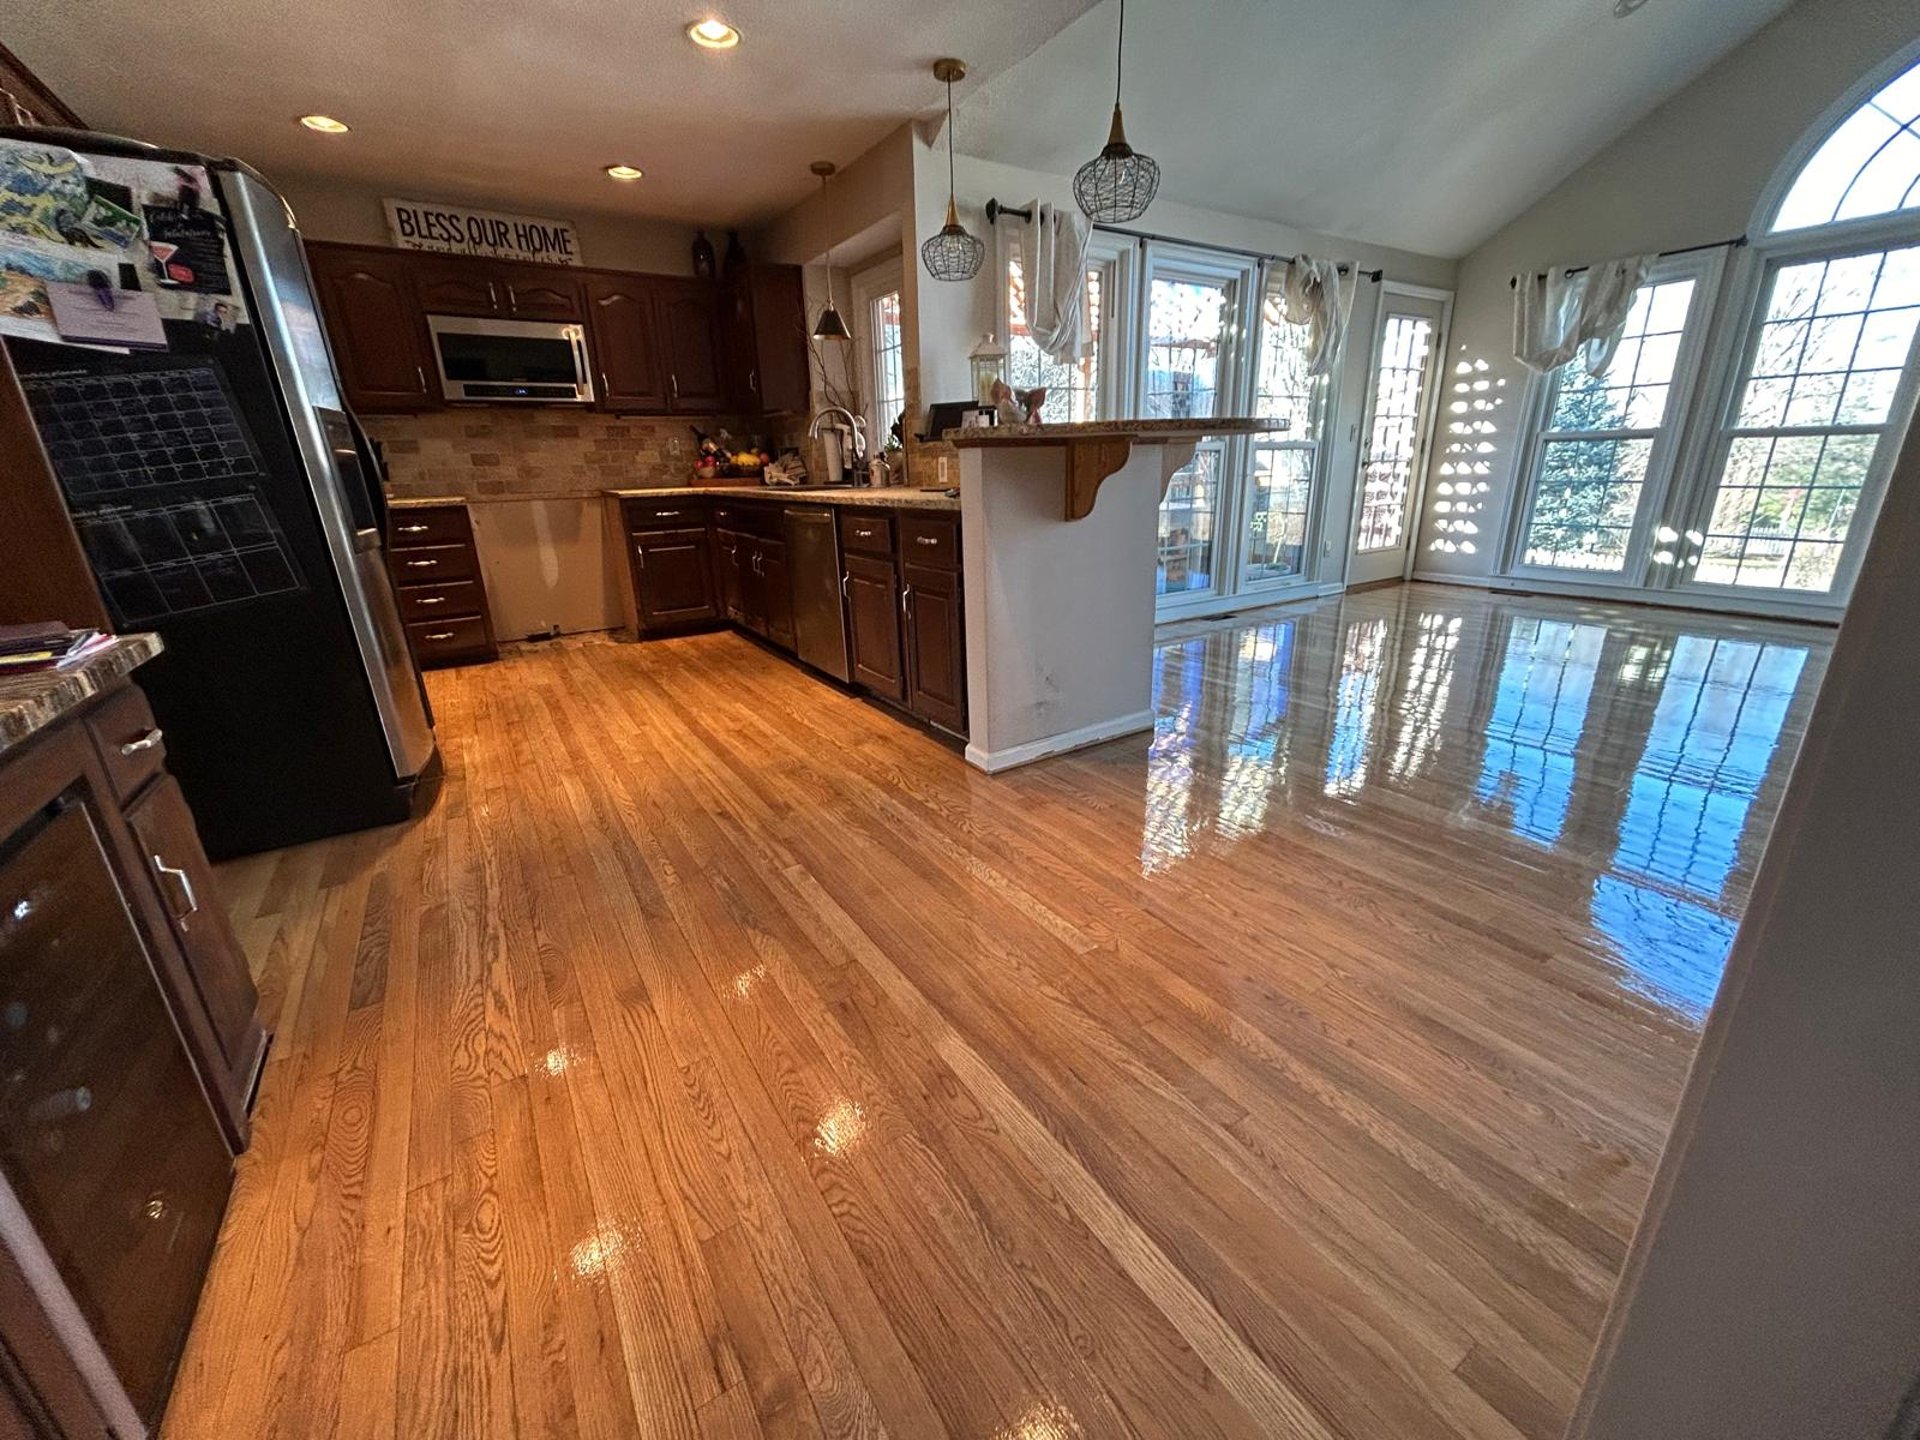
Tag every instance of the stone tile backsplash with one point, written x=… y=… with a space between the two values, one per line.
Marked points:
x=503 y=454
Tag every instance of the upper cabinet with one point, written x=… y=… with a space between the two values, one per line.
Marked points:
x=690 y=338
x=661 y=345
x=379 y=340
x=764 y=319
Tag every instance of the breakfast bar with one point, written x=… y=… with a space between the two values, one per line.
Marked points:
x=1058 y=524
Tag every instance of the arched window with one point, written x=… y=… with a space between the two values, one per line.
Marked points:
x=1869 y=166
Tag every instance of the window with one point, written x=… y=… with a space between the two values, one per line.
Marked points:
x=1869 y=166
x=889 y=374
x=1591 y=462
x=1188 y=330
x=1281 y=478
x=1073 y=389
x=1394 y=430
x=1833 y=345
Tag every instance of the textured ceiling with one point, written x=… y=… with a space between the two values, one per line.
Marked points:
x=1420 y=123
x=1425 y=124
x=523 y=100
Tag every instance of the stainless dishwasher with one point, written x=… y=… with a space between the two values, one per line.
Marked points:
x=819 y=617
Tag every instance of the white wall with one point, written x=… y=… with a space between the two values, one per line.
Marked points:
x=329 y=208
x=1691 y=173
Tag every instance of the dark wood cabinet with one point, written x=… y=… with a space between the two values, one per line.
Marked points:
x=873 y=625
x=378 y=337
x=690 y=344
x=189 y=893
x=625 y=336
x=457 y=285
x=776 y=592
x=764 y=325
x=732 y=555
x=438 y=584
x=935 y=650
x=541 y=292
x=446 y=286
x=673 y=578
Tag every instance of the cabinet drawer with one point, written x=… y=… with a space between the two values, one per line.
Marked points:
x=131 y=746
x=456 y=600
x=433 y=562
x=435 y=640
x=869 y=534
x=926 y=540
x=440 y=525
x=674 y=514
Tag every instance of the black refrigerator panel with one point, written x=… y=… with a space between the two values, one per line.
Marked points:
x=181 y=476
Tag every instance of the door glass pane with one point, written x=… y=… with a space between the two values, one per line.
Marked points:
x=1591 y=466
x=1281 y=471
x=1186 y=559
x=889 y=375
x=1836 y=338
x=1073 y=390
x=1399 y=397
x=1186 y=346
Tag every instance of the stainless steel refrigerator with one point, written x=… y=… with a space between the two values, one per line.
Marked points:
x=224 y=494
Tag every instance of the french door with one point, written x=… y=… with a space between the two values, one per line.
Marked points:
x=1409 y=344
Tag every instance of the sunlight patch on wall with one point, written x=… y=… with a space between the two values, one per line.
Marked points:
x=1462 y=482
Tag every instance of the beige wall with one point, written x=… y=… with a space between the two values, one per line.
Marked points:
x=329 y=208
x=1691 y=173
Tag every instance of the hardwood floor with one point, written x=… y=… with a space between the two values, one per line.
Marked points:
x=722 y=1057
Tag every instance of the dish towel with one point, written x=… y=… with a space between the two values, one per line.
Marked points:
x=1314 y=293
x=1052 y=248
x=1557 y=316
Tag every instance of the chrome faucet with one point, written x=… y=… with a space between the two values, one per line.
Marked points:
x=855 y=425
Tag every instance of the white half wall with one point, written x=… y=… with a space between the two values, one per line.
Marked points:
x=1690 y=173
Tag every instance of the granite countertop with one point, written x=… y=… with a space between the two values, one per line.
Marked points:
x=30 y=703
x=901 y=497
x=1149 y=430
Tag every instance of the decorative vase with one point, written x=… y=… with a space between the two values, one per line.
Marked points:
x=703 y=257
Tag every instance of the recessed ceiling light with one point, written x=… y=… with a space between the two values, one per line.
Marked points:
x=713 y=34
x=625 y=172
x=325 y=124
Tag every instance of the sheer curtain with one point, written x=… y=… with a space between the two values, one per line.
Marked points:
x=1557 y=315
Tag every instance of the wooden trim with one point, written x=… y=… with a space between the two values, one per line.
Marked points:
x=47 y=577
x=1089 y=463
x=27 y=91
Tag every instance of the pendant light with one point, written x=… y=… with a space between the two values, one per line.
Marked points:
x=953 y=254
x=829 y=326
x=1119 y=183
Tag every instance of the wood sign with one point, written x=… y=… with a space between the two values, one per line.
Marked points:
x=458 y=230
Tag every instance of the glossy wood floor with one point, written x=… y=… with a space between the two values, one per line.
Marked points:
x=723 y=1058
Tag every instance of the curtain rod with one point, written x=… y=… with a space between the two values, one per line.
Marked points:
x=997 y=208
x=1734 y=244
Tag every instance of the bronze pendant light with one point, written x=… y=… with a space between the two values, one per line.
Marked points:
x=1118 y=184
x=829 y=326
x=952 y=254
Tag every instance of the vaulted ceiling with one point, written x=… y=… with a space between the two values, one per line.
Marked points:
x=1419 y=123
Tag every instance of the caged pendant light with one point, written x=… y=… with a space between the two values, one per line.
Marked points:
x=829 y=326
x=952 y=254
x=1118 y=184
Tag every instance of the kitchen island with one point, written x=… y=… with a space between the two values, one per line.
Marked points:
x=1058 y=525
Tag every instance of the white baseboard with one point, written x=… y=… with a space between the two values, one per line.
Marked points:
x=994 y=761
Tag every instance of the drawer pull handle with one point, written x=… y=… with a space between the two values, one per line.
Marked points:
x=414 y=529
x=438 y=635
x=146 y=742
x=184 y=881
x=422 y=564
x=666 y=514
x=926 y=540
x=864 y=534
x=432 y=600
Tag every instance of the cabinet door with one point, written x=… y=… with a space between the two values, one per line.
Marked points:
x=620 y=323
x=780 y=378
x=873 y=624
x=689 y=328
x=936 y=651
x=170 y=845
x=776 y=582
x=732 y=555
x=456 y=287
x=377 y=336
x=673 y=570
x=542 y=292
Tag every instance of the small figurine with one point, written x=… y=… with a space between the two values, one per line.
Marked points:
x=1018 y=407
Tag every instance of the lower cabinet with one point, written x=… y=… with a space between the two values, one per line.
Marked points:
x=873 y=625
x=673 y=578
x=936 y=668
x=776 y=592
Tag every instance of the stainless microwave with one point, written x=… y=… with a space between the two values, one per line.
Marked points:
x=532 y=361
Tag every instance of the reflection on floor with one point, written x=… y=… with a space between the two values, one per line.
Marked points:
x=722 y=1057
x=1634 y=755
